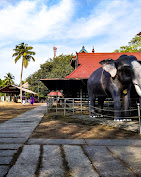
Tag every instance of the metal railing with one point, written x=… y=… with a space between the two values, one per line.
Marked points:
x=70 y=106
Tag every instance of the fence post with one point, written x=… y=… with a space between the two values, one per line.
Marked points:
x=64 y=107
x=138 y=104
x=56 y=105
x=81 y=104
x=47 y=106
x=89 y=108
x=73 y=106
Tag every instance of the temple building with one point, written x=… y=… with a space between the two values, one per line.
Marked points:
x=13 y=91
x=75 y=84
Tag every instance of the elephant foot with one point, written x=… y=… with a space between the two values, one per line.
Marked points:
x=123 y=120
x=98 y=116
x=92 y=116
x=128 y=120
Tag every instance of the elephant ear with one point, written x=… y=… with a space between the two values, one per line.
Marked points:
x=139 y=61
x=109 y=66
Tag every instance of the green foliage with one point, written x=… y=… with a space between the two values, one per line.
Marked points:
x=24 y=51
x=58 y=67
x=1 y=83
x=133 y=46
x=61 y=66
x=8 y=79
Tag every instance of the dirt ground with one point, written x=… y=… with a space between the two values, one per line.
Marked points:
x=60 y=127
x=11 y=110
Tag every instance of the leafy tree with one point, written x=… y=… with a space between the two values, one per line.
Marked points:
x=9 y=79
x=1 y=83
x=23 y=51
x=58 y=67
x=61 y=66
x=133 y=46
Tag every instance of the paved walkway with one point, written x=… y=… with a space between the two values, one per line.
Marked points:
x=21 y=156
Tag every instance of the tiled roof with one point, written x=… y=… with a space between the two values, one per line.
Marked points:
x=89 y=62
x=53 y=93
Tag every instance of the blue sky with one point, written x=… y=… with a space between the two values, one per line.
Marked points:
x=66 y=24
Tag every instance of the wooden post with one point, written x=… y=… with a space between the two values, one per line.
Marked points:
x=64 y=107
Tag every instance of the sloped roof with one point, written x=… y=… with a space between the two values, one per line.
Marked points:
x=83 y=50
x=26 y=90
x=15 y=89
x=55 y=93
x=89 y=62
x=25 y=85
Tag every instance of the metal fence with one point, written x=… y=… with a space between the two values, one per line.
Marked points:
x=81 y=105
x=70 y=106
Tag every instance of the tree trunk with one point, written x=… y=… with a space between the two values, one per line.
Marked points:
x=21 y=83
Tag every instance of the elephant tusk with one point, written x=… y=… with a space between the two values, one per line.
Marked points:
x=138 y=90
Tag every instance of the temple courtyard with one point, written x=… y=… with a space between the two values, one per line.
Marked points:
x=35 y=144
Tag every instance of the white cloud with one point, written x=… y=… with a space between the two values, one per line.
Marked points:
x=109 y=18
x=29 y=21
x=111 y=24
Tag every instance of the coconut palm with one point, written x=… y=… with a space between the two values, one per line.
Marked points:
x=9 y=79
x=23 y=51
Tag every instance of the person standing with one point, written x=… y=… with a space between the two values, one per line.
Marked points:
x=23 y=99
x=32 y=100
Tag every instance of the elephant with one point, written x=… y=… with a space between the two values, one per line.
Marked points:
x=114 y=79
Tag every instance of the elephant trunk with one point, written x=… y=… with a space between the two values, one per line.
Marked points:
x=138 y=89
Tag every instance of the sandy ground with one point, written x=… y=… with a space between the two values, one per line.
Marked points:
x=11 y=110
x=60 y=127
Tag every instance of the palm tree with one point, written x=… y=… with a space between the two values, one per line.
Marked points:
x=9 y=79
x=23 y=51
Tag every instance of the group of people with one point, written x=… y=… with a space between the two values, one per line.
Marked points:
x=32 y=100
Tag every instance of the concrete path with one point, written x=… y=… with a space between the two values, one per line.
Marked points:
x=21 y=156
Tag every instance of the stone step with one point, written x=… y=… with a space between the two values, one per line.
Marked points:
x=131 y=155
x=105 y=163
x=78 y=162
x=56 y=141
x=27 y=162
x=52 y=162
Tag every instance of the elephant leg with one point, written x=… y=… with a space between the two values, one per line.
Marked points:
x=92 y=106
x=117 y=108
x=126 y=104
x=100 y=104
x=117 y=104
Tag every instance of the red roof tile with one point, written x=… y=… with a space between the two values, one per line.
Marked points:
x=89 y=62
x=53 y=93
